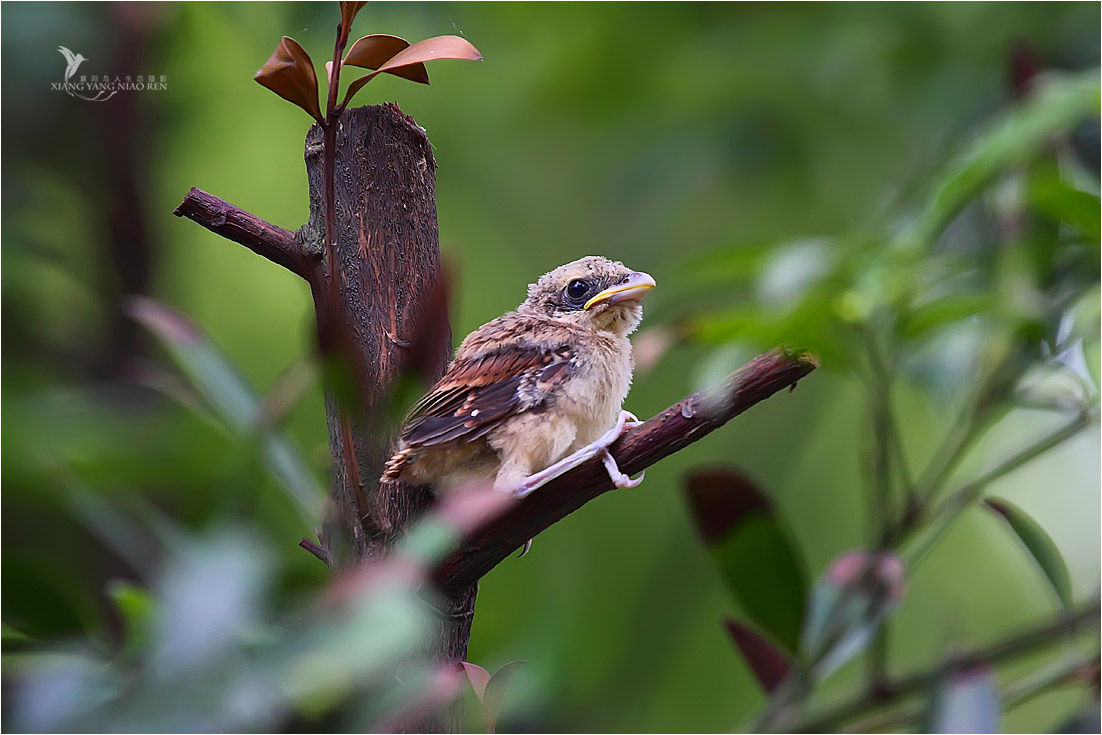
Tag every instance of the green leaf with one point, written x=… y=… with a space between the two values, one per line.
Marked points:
x=753 y=550
x=1061 y=201
x=1092 y=352
x=1087 y=720
x=137 y=608
x=851 y=601
x=494 y=695
x=1039 y=544
x=227 y=392
x=768 y=665
x=945 y=311
x=966 y=701
x=1059 y=102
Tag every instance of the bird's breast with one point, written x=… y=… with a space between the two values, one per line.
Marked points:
x=596 y=394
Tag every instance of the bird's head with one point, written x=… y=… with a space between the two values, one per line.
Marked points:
x=593 y=292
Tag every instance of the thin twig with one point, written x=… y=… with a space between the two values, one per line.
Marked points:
x=1005 y=650
x=318 y=551
x=1069 y=673
x=951 y=508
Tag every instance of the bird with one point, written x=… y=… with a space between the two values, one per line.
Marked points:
x=533 y=393
x=72 y=61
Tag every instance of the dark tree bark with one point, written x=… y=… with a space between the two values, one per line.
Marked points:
x=390 y=278
x=386 y=313
x=388 y=261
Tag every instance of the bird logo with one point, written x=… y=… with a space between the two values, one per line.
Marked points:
x=72 y=63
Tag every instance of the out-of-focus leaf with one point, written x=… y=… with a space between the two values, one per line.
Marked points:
x=769 y=666
x=62 y=691
x=1065 y=203
x=753 y=550
x=650 y=345
x=210 y=595
x=229 y=395
x=349 y=10
x=850 y=603
x=1057 y=104
x=416 y=696
x=440 y=47
x=371 y=52
x=1087 y=721
x=967 y=701
x=1092 y=353
x=494 y=696
x=1039 y=544
x=478 y=677
x=137 y=609
x=289 y=72
x=945 y=311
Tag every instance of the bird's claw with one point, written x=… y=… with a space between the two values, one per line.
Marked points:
x=599 y=448
x=526 y=549
x=619 y=479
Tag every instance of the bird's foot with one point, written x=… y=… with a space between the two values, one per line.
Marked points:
x=526 y=549
x=619 y=479
x=599 y=448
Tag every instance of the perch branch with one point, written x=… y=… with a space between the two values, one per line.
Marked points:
x=670 y=431
x=220 y=217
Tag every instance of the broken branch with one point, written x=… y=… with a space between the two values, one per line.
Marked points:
x=263 y=238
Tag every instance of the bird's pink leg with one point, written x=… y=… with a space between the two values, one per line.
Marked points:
x=599 y=448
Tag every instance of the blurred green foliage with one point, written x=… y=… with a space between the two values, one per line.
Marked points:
x=855 y=178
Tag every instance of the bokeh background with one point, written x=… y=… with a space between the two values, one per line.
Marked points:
x=736 y=152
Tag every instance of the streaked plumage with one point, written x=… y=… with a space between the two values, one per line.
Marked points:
x=530 y=387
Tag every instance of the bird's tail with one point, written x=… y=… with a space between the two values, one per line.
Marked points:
x=396 y=465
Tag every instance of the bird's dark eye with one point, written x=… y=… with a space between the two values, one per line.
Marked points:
x=577 y=290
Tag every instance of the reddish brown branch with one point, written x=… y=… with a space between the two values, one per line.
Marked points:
x=668 y=432
x=315 y=549
x=274 y=243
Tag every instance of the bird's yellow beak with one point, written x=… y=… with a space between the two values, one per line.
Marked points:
x=633 y=287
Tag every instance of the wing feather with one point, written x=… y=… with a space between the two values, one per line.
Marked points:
x=480 y=391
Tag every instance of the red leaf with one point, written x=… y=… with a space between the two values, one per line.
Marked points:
x=290 y=74
x=371 y=52
x=440 y=47
x=479 y=678
x=769 y=666
x=348 y=14
x=720 y=498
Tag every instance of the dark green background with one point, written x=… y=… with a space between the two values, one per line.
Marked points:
x=652 y=133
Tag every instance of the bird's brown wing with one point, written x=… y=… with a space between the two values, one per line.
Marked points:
x=480 y=391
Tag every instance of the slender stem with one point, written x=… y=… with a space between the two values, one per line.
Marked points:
x=880 y=493
x=1014 y=695
x=1005 y=650
x=969 y=427
x=951 y=508
x=1061 y=675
